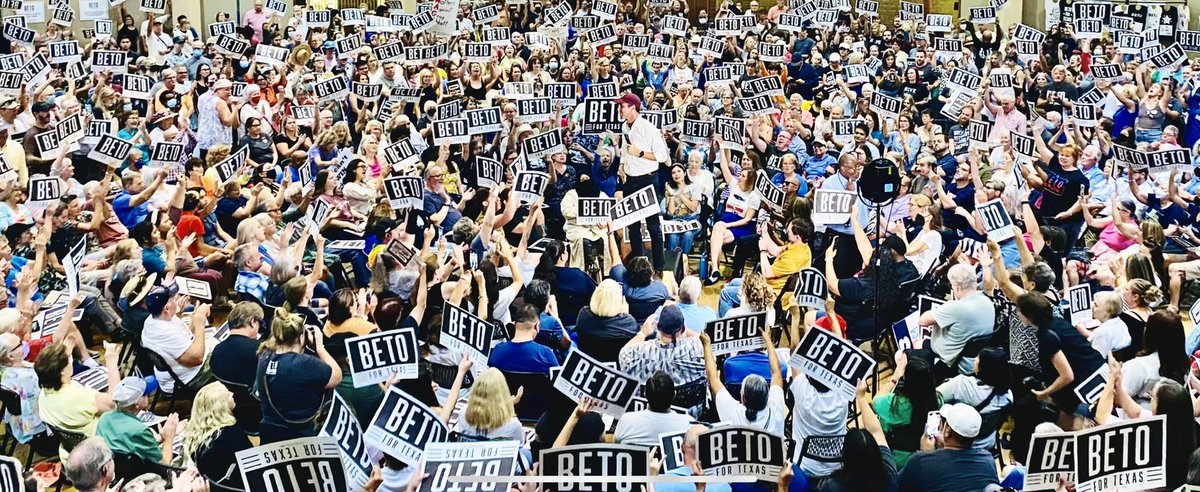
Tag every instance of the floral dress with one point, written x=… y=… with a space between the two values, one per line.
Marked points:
x=23 y=381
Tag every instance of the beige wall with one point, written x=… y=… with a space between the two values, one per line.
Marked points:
x=1010 y=14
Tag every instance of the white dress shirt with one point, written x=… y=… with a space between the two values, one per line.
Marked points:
x=645 y=136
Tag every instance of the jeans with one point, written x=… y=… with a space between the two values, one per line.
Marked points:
x=684 y=240
x=1148 y=135
x=729 y=297
x=631 y=185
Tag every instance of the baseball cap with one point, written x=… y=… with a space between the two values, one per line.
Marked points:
x=835 y=58
x=179 y=40
x=130 y=390
x=158 y=298
x=630 y=99
x=41 y=106
x=896 y=244
x=820 y=143
x=964 y=419
x=670 y=319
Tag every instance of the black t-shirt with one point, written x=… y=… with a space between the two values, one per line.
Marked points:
x=235 y=359
x=1061 y=189
x=291 y=386
x=1084 y=360
x=1056 y=93
x=217 y=460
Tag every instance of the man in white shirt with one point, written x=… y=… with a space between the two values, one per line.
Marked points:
x=643 y=427
x=643 y=152
x=182 y=347
x=158 y=44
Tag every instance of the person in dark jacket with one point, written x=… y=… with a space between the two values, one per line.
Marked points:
x=605 y=324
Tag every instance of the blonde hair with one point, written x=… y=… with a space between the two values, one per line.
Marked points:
x=1148 y=295
x=287 y=329
x=490 y=405
x=608 y=300
x=124 y=250
x=216 y=153
x=756 y=293
x=243 y=231
x=210 y=413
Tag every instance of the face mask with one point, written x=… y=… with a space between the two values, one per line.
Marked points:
x=552 y=66
x=196 y=54
x=174 y=103
x=1051 y=126
x=703 y=21
x=244 y=64
x=127 y=107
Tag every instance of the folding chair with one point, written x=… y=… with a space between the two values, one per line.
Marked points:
x=181 y=388
x=825 y=449
x=533 y=398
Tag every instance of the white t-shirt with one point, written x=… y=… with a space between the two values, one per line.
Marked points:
x=1138 y=377
x=769 y=419
x=169 y=339
x=643 y=427
x=816 y=414
x=1109 y=336
x=924 y=260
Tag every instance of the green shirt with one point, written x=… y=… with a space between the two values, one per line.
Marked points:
x=903 y=429
x=363 y=400
x=124 y=433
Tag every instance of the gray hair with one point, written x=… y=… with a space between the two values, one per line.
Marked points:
x=754 y=395
x=241 y=255
x=283 y=270
x=87 y=466
x=127 y=268
x=1106 y=305
x=961 y=277
x=244 y=313
x=689 y=290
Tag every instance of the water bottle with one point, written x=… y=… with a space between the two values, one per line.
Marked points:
x=704 y=265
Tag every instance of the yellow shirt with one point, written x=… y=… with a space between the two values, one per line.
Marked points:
x=14 y=153
x=357 y=326
x=72 y=408
x=792 y=258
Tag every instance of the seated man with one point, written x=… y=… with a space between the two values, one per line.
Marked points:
x=250 y=281
x=956 y=464
x=234 y=362
x=182 y=347
x=125 y=433
x=523 y=353
x=643 y=427
x=969 y=315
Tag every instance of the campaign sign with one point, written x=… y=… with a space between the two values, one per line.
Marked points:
x=47 y=142
x=1084 y=115
x=600 y=115
x=737 y=334
x=403 y=426
x=662 y=53
x=825 y=17
x=601 y=460
x=1080 y=298
x=477 y=52
x=483 y=120
x=697 y=131
x=671 y=450
x=317 y=18
x=449 y=110
x=218 y=28
x=332 y=88
x=530 y=185
x=346 y=46
x=12 y=83
x=594 y=211
x=602 y=35
x=136 y=86
x=1128 y=455
x=369 y=92
x=1170 y=57
x=108 y=61
x=489 y=173
x=1128 y=43
x=634 y=207
x=375 y=357
x=401 y=154
x=741 y=450
x=1022 y=144
x=1092 y=387
x=227 y=168
x=857 y=74
x=1003 y=79
x=978 y=132
x=395 y=51
x=534 y=110
x=306 y=463
x=948 y=48
x=64 y=52
x=196 y=289
x=404 y=191
x=96 y=129
x=420 y=55
x=664 y=120
x=558 y=13
x=1028 y=33
x=1194 y=312
x=467 y=333
x=353 y=17
x=496 y=36
x=963 y=81
x=518 y=90
x=996 y=220
x=720 y=74
x=885 y=105
x=756 y=105
x=674 y=25
x=583 y=22
x=72 y=264
x=19 y=35
x=271 y=55
x=1110 y=71
x=983 y=15
x=450 y=132
x=468 y=459
x=583 y=376
x=543 y=144
x=832 y=206
x=486 y=14
x=231 y=45
x=938 y=22
x=110 y=150
x=811 y=289
x=732 y=132
x=1088 y=28
x=1051 y=457
x=772 y=52
x=772 y=195
x=7 y=173
x=710 y=46
x=560 y=93
x=1188 y=40
x=769 y=85
x=869 y=8
x=832 y=361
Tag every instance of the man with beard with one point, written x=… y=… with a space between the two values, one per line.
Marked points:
x=946 y=162
x=38 y=164
x=1059 y=94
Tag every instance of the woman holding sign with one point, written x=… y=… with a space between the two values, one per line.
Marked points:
x=292 y=384
x=737 y=219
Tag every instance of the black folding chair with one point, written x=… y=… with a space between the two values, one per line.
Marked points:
x=128 y=467
x=533 y=398
x=825 y=449
x=181 y=389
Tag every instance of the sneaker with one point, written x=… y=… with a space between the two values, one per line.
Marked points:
x=713 y=277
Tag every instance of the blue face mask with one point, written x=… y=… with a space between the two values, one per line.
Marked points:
x=245 y=64
x=196 y=54
x=127 y=107
x=174 y=103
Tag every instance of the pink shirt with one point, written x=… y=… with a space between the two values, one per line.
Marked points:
x=1014 y=120
x=256 y=20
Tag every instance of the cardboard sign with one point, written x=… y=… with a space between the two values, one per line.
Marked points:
x=756 y=105
x=869 y=8
x=403 y=426
x=376 y=357
x=230 y=45
x=811 y=288
x=226 y=169
x=558 y=13
x=599 y=116
x=771 y=195
x=832 y=361
x=1028 y=33
x=401 y=154
x=450 y=132
x=674 y=25
x=697 y=132
x=737 y=334
x=518 y=90
x=216 y=29
x=110 y=150
x=404 y=191
x=635 y=207
x=938 y=23
x=154 y=6
x=1051 y=457
x=1084 y=115
x=496 y=36
x=602 y=35
x=534 y=110
x=271 y=55
x=543 y=144
x=1188 y=40
x=47 y=142
x=741 y=450
x=710 y=46
x=606 y=460
x=671 y=450
x=583 y=376
x=825 y=18
x=486 y=14
x=1023 y=145
x=1088 y=28
x=420 y=55
x=136 y=86
x=594 y=211
x=1129 y=455
x=64 y=52
x=996 y=220
x=1080 y=298
x=467 y=333
x=560 y=93
x=978 y=132
x=584 y=22
x=333 y=88
x=1171 y=57
x=475 y=459
x=317 y=18
x=489 y=173
x=196 y=289
x=983 y=15
x=286 y=465
x=663 y=120
x=1090 y=389
x=19 y=35
x=96 y=129
x=948 y=48
x=963 y=81
x=12 y=83
x=1110 y=71
x=772 y=52
x=832 y=206
x=769 y=85
x=530 y=185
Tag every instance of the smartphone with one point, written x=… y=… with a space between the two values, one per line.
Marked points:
x=933 y=424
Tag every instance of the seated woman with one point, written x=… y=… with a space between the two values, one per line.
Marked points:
x=212 y=436
x=681 y=203
x=643 y=293
x=604 y=325
x=761 y=405
x=986 y=390
x=348 y=311
x=1118 y=233
x=571 y=287
x=490 y=413
x=66 y=404
x=902 y=411
x=737 y=219
x=342 y=222
x=18 y=376
x=291 y=382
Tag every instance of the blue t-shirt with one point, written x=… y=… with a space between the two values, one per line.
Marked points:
x=742 y=365
x=528 y=356
x=129 y=215
x=18 y=263
x=432 y=204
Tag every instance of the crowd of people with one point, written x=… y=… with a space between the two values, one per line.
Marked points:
x=281 y=214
